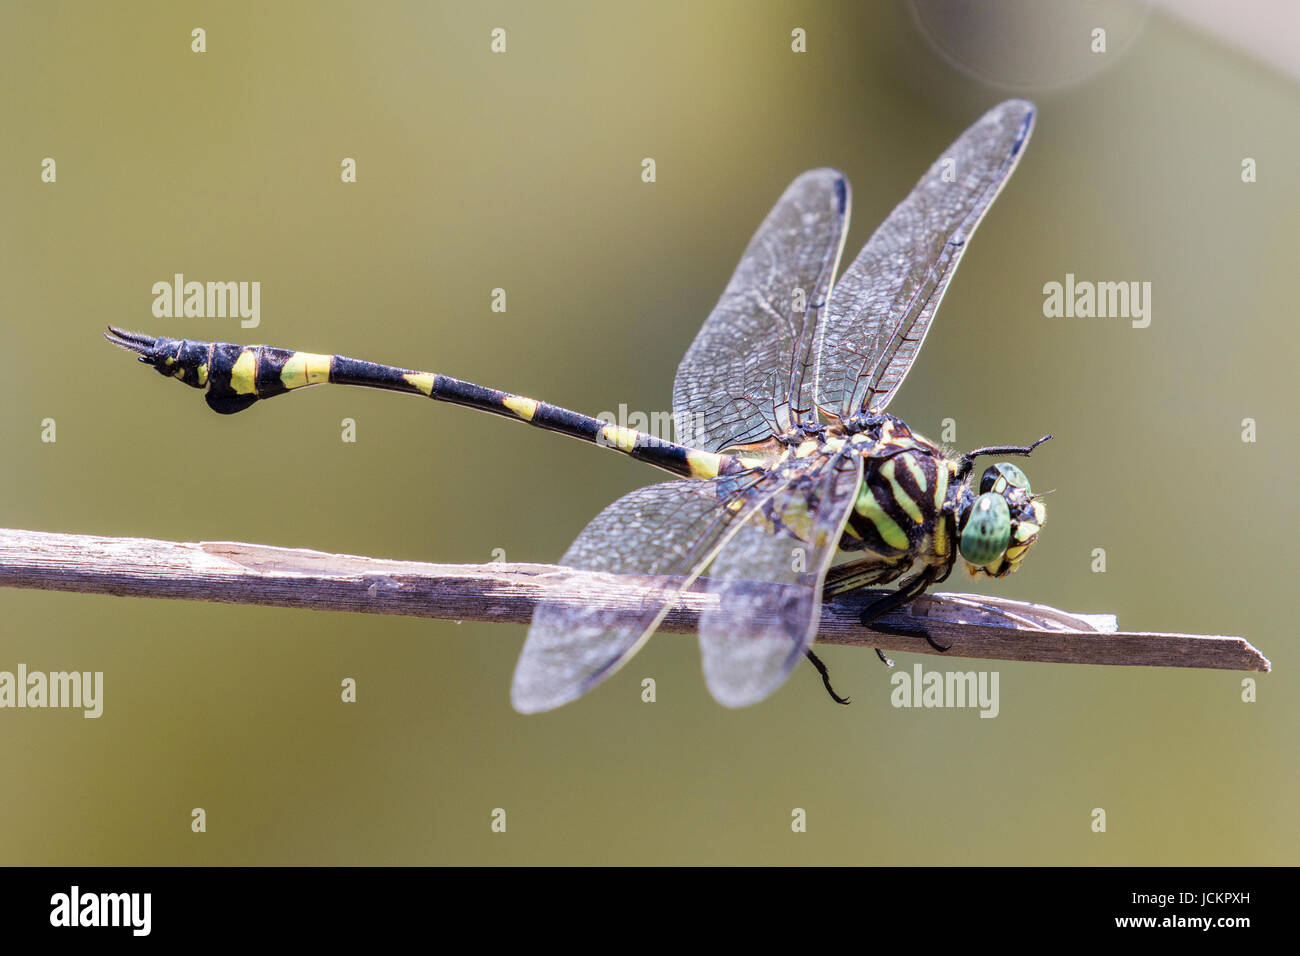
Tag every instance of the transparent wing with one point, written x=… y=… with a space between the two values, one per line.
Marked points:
x=746 y=366
x=882 y=306
x=668 y=529
x=768 y=578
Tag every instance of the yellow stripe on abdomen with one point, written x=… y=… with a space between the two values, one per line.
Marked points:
x=525 y=408
x=305 y=368
x=421 y=380
x=243 y=374
x=703 y=464
x=616 y=436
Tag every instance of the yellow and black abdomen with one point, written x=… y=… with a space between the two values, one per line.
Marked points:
x=236 y=376
x=240 y=375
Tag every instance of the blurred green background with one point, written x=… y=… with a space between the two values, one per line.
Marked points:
x=522 y=171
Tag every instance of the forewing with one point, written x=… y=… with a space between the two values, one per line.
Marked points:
x=882 y=306
x=746 y=366
x=669 y=529
x=768 y=578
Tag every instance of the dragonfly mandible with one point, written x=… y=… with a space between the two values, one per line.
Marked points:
x=785 y=455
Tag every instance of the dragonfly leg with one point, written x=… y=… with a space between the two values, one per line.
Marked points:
x=907 y=592
x=826 y=677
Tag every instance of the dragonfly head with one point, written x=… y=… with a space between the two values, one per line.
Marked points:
x=998 y=526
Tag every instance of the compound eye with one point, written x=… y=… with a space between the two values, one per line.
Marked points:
x=987 y=533
x=1004 y=470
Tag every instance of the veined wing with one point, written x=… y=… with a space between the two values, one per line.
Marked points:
x=882 y=306
x=670 y=529
x=746 y=367
x=768 y=578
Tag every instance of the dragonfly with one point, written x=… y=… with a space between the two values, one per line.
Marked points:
x=785 y=458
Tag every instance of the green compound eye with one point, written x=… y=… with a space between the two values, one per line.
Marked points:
x=988 y=530
x=1003 y=469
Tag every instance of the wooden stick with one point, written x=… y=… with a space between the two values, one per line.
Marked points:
x=235 y=573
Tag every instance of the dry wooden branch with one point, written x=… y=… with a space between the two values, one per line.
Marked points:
x=235 y=573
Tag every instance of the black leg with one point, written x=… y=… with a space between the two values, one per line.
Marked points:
x=938 y=647
x=826 y=677
x=890 y=602
x=905 y=632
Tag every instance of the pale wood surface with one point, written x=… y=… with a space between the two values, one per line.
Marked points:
x=235 y=573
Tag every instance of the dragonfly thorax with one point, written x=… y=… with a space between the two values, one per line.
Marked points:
x=907 y=504
x=916 y=507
